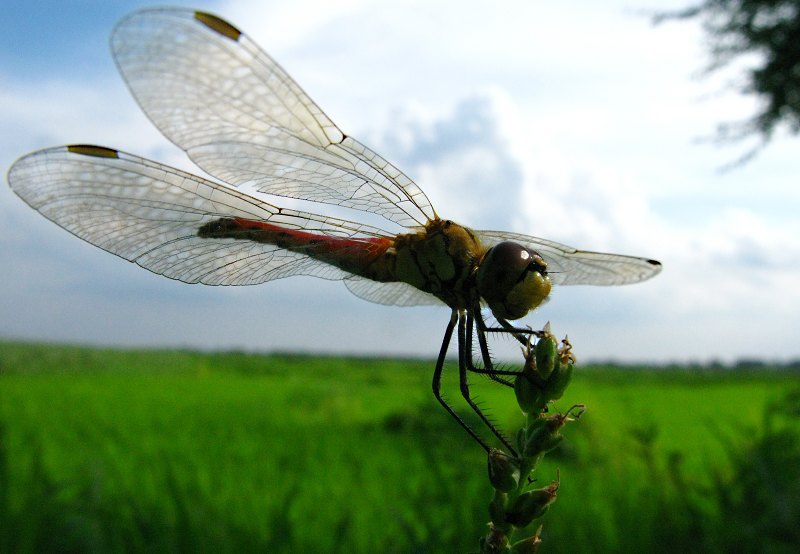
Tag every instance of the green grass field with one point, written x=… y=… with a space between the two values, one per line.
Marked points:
x=107 y=450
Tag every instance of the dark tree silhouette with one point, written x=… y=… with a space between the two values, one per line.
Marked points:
x=770 y=29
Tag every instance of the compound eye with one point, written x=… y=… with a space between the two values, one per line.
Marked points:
x=501 y=268
x=512 y=280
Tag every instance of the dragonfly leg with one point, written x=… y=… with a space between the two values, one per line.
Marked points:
x=488 y=365
x=437 y=380
x=463 y=356
x=522 y=334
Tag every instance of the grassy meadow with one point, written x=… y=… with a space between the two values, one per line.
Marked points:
x=113 y=450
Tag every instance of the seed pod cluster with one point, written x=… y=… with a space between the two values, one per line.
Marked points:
x=546 y=373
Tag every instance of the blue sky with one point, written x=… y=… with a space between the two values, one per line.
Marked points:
x=584 y=130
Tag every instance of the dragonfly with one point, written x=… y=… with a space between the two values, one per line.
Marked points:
x=212 y=91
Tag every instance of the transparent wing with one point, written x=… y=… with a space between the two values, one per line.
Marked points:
x=569 y=266
x=213 y=92
x=151 y=214
x=392 y=294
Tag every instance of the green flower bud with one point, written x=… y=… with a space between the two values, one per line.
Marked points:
x=520 y=439
x=559 y=380
x=503 y=471
x=531 y=505
x=540 y=421
x=546 y=355
x=528 y=392
x=497 y=507
x=543 y=436
x=495 y=541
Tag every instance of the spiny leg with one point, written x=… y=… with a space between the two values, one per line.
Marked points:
x=437 y=380
x=521 y=334
x=488 y=365
x=463 y=356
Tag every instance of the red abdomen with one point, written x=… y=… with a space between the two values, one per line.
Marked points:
x=355 y=255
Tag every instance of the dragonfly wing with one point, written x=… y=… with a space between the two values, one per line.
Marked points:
x=213 y=92
x=391 y=294
x=570 y=266
x=151 y=214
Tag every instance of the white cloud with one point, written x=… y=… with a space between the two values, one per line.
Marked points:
x=460 y=158
x=286 y=24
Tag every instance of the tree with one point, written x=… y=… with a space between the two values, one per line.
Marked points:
x=770 y=29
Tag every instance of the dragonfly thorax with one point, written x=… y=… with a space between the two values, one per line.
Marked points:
x=440 y=259
x=512 y=280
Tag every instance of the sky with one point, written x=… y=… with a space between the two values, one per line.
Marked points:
x=579 y=122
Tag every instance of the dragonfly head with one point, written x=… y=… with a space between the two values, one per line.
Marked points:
x=512 y=280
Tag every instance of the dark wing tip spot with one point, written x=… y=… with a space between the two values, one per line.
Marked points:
x=654 y=262
x=92 y=150
x=218 y=25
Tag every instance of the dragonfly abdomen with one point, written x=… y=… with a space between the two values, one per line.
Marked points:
x=356 y=255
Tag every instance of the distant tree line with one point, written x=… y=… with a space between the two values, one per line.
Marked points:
x=740 y=366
